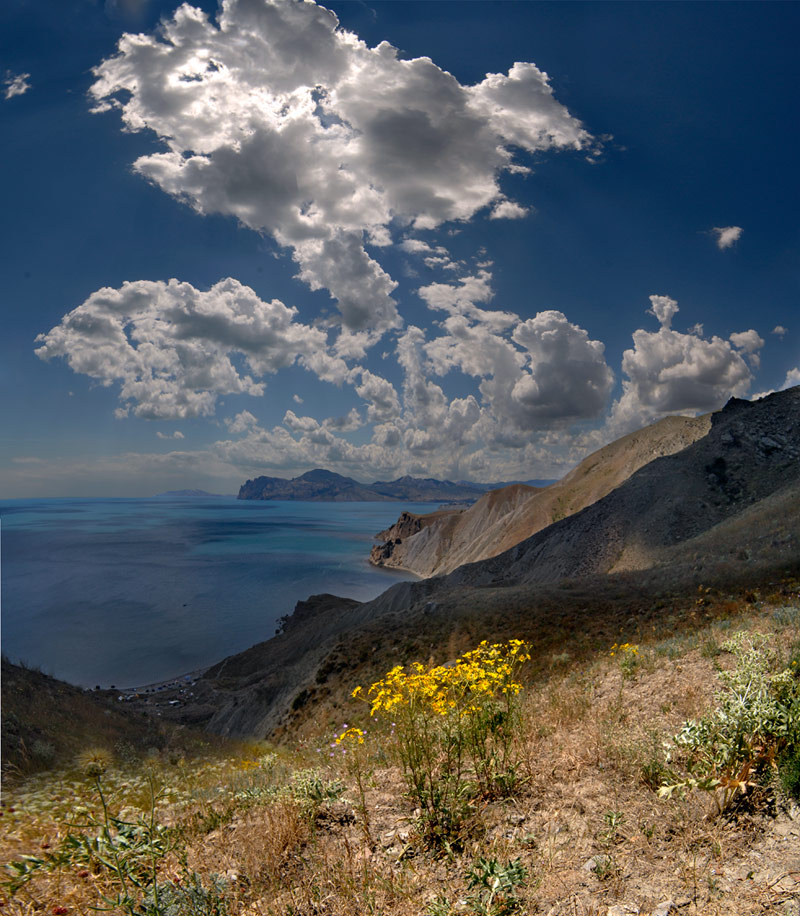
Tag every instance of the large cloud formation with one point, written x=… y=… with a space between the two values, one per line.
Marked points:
x=279 y=117
x=533 y=373
x=669 y=371
x=276 y=116
x=170 y=346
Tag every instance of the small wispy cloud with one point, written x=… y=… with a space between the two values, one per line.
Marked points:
x=779 y=330
x=727 y=235
x=15 y=84
x=508 y=209
x=176 y=435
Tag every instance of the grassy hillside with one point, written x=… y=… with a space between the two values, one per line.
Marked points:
x=645 y=758
x=46 y=722
x=575 y=825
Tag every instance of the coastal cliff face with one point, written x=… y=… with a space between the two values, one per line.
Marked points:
x=443 y=541
x=731 y=495
x=391 y=551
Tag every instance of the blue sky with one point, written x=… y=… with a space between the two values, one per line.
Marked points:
x=465 y=240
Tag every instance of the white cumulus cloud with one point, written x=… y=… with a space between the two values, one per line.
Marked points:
x=508 y=209
x=792 y=379
x=672 y=372
x=15 y=84
x=279 y=117
x=749 y=342
x=567 y=376
x=171 y=346
x=532 y=373
x=381 y=396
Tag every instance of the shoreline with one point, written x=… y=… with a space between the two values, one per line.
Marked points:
x=187 y=679
x=399 y=569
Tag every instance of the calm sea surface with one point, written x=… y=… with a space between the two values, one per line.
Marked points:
x=131 y=591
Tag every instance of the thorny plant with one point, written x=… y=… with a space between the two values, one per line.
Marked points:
x=755 y=725
x=495 y=890
x=128 y=851
x=454 y=728
x=125 y=854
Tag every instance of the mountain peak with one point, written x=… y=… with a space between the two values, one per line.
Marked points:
x=320 y=474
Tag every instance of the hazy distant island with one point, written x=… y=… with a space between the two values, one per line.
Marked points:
x=191 y=494
x=320 y=485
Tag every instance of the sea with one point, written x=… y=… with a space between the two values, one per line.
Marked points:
x=128 y=592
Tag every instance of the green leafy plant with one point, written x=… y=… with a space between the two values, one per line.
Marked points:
x=314 y=789
x=495 y=890
x=789 y=769
x=755 y=723
x=189 y=897
x=613 y=821
x=495 y=887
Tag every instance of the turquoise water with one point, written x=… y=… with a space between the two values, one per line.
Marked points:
x=131 y=591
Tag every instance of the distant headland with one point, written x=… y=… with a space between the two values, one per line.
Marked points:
x=320 y=485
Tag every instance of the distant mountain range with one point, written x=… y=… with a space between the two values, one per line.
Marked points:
x=326 y=486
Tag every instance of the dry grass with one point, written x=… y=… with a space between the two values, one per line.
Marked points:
x=584 y=819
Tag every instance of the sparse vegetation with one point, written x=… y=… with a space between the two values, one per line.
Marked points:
x=454 y=731
x=558 y=782
x=753 y=730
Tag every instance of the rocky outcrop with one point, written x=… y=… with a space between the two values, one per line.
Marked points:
x=390 y=551
x=502 y=518
x=748 y=463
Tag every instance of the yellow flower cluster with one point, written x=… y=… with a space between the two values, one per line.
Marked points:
x=350 y=736
x=487 y=671
x=626 y=649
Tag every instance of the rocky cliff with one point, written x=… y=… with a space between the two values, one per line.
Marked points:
x=437 y=543
x=745 y=467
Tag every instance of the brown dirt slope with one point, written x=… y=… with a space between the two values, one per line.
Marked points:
x=752 y=453
x=437 y=543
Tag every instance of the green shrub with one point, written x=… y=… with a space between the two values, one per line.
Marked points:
x=494 y=889
x=755 y=723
